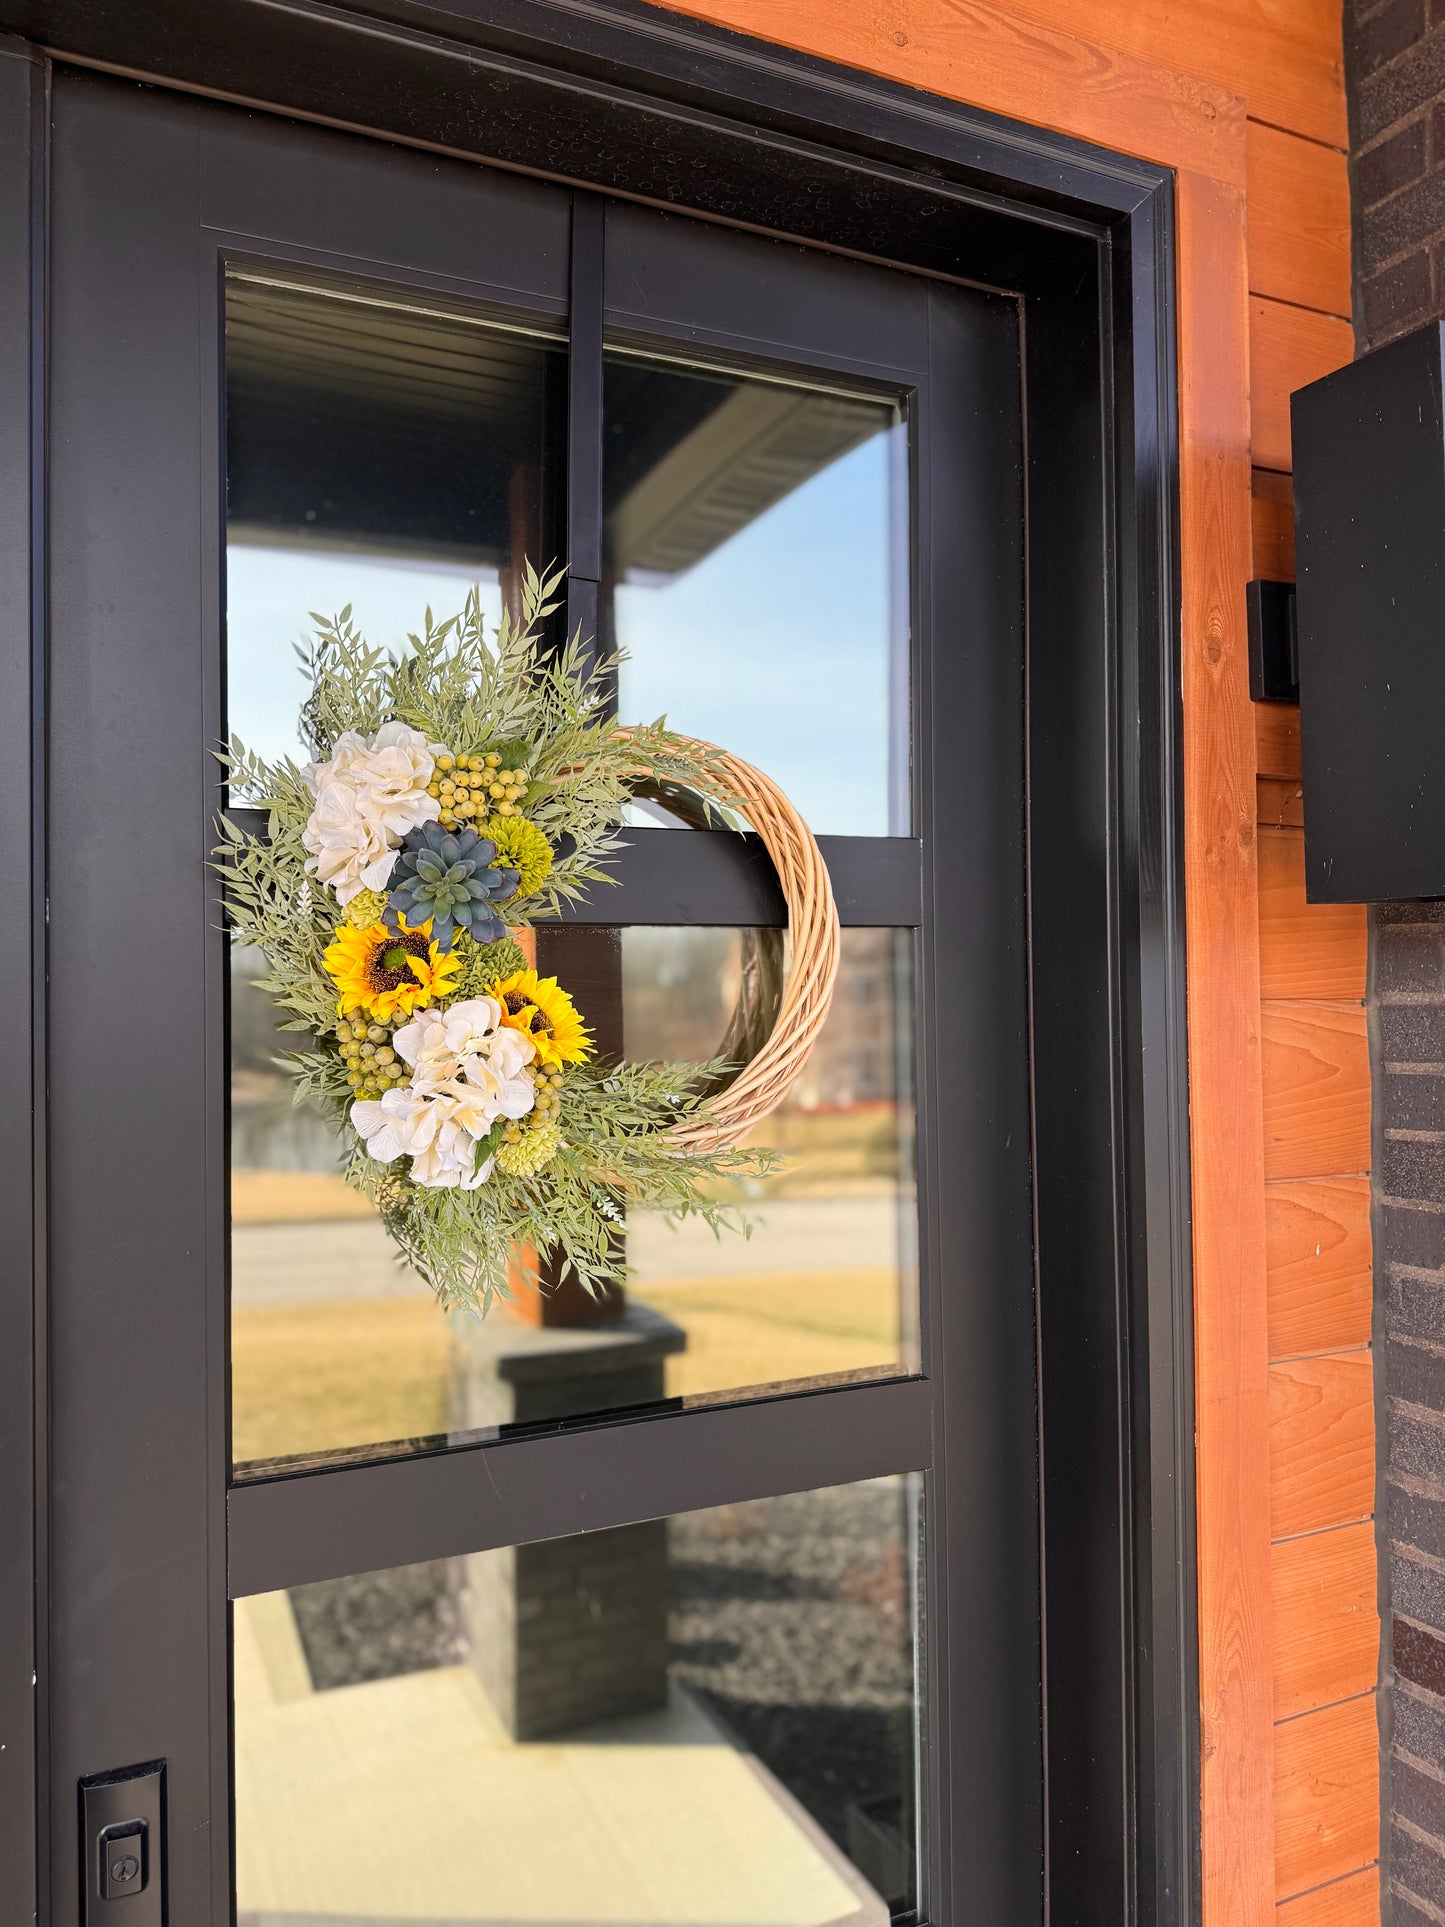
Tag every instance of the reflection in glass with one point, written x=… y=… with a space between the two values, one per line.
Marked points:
x=827 y=1283
x=391 y=456
x=756 y=572
x=335 y=1345
x=377 y=453
x=708 y=1719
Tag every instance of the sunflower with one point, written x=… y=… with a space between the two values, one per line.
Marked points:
x=388 y=972
x=522 y=847
x=536 y=1006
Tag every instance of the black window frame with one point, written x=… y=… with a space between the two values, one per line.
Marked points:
x=644 y=105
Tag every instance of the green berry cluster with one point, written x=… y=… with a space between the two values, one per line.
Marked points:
x=545 y=1107
x=372 y=1066
x=475 y=786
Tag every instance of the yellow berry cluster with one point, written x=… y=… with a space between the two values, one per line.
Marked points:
x=467 y=787
x=544 y=1108
x=372 y=1066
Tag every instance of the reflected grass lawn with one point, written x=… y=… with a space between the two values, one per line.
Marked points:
x=317 y=1378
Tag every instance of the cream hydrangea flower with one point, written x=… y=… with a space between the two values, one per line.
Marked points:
x=368 y=795
x=467 y=1071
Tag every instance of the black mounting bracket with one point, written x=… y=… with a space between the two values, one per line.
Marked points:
x=1273 y=642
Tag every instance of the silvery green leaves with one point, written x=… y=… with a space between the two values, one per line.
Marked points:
x=445 y=875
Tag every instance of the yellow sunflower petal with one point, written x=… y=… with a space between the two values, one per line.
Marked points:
x=543 y=1011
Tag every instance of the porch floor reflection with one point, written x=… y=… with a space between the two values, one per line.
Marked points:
x=404 y=1800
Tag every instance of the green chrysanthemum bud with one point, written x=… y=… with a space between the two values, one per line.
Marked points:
x=522 y=847
x=484 y=964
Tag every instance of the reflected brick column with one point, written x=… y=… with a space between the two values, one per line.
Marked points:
x=572 y=1630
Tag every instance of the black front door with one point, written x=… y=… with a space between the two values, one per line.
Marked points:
x=718 y=1602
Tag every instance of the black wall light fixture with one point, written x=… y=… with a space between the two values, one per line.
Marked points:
x=1369 y=500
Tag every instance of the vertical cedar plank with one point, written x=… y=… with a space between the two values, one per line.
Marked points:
x=1221 y=883
x=1327 y=1808
x=1352 y=1902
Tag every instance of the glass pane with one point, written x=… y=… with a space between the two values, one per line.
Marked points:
x=388 y=456
x=335 y=1345
x=711 y=1719
x=756 y=572
x=826 y=1285
x=377 y=454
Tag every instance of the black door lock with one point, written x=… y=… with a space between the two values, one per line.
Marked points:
x=124 y=1850
x=122 y=1847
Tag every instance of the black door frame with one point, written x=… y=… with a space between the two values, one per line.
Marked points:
x=645 y=105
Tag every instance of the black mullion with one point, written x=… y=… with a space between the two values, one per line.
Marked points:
x=289 y=1531
x=584 y=416
x=723 y=879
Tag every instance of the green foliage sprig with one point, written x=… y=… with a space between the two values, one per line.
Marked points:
x=549 y=710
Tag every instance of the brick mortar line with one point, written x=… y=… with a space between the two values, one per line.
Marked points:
x=1414 y=1555
x=1398 y=1890
x=1414 y=1487
x=1429 y=1769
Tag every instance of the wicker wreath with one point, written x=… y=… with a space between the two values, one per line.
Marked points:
x=812 y=968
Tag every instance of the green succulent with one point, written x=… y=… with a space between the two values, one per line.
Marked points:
x=446 y=875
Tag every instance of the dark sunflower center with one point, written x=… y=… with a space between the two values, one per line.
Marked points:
x=539 y=1023
x=386 y=963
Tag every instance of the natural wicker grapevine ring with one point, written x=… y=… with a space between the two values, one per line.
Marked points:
x=459 y=795
x=812 y=965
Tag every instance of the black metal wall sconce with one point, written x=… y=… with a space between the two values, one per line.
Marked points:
x=1369 y=506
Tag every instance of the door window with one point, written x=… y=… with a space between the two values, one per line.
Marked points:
x=711 y=1718
x=387 y=454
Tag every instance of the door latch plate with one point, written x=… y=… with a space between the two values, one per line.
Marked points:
x=122 y=1820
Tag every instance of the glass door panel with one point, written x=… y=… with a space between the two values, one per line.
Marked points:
x=389 y=454
x=755 y=574
x=711 y=1719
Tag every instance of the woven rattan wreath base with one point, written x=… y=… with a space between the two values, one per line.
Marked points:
x=765 y=1081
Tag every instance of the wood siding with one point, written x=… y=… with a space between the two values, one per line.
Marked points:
x=1246 y=102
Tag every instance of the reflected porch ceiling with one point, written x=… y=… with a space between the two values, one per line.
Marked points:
x=420 y=433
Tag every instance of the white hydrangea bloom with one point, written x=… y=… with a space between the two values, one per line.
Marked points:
x=468 y=1070
x=367 y=797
